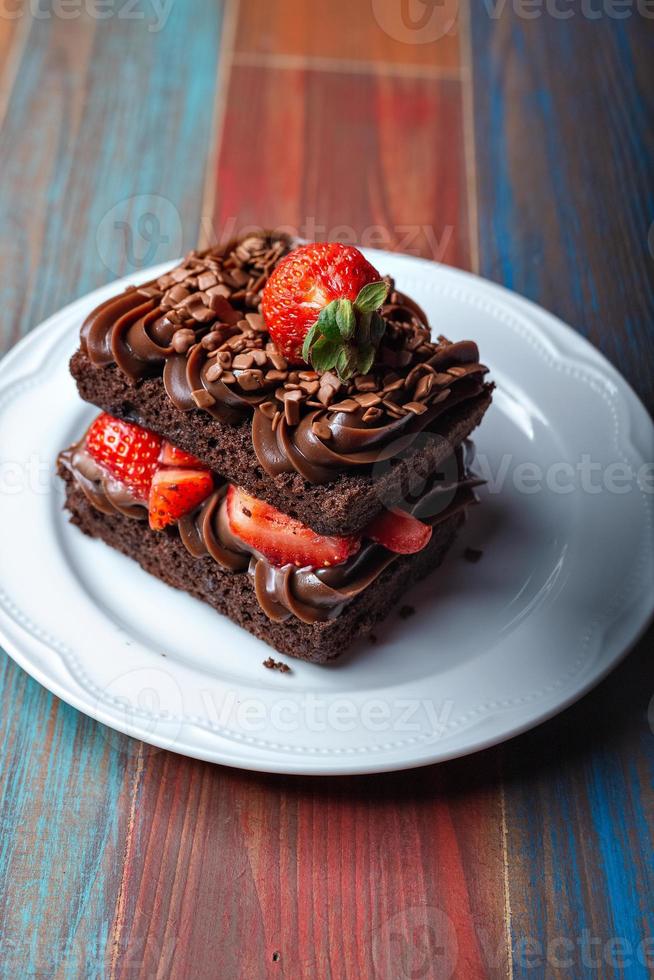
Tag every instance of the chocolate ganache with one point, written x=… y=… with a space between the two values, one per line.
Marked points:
x=282 y=592
x=199 y=327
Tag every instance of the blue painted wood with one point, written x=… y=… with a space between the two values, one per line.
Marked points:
x=564 y=173
x=101 y=112
x=103 y=154
x=565 y=202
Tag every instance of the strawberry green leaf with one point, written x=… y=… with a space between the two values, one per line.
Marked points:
x=311 y=337
x=365 y=358
x=363 y=329
x=346 y=362
x=324 y=354
x=346 y=335
x=328 y=322
x=371 y=296
x=377 y=328
x=345 y=318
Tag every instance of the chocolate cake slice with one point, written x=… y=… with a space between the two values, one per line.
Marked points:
x=313 y=613
x=189 y=356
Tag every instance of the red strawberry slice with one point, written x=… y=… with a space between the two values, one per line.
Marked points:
x=172 y=456
x=176 y=492
x=399 y=532
x=129 y=453
x=306 y=281
x=282 y=539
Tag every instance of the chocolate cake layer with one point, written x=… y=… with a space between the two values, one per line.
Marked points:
x=165 y=556
x=190 y=354
x=342 y=506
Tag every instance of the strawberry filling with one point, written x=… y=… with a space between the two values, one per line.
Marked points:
x=283 y=540
x=171 y=481
x=174 y=483
x=176 y=491
x=129 y=453
x=399 y=532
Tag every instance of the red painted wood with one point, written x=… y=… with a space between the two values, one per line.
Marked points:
x=383 y=31
x=236 y=874
x=377 y=160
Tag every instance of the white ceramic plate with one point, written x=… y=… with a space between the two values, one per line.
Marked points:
x=564 y=587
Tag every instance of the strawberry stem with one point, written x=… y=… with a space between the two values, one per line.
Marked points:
x=346 y=335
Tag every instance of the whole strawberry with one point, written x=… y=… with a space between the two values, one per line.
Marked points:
x=127 y=452
x=320 y=305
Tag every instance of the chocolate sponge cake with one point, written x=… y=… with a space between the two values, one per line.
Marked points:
x=190 y=356
x=280 y=437
x=310 y=614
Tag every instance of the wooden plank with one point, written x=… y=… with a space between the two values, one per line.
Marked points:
x=580 y=804
x=565 y=196
x=84 y=202
x=99 y=111
x=310 y=877
x=14 y=29
x=361 y=158
x=565 y=205
x=62 y=805
x=381 y=31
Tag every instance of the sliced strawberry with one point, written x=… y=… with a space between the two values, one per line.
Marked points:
x=399 y=532
x=172 y=456
x=304 y=283
x=129 y=453
x=176 y=492
x=282 y=539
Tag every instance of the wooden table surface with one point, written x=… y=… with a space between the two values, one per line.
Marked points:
x=508 y=139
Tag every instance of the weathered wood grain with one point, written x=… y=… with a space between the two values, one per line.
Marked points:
x=107 y=174
x=98 y=111
x=579 y=803
x=382 y=32
x=563 y=112
x=63 y=806
x=270 y=876
x=13 y=36
x=372 y=159
x=564 y=204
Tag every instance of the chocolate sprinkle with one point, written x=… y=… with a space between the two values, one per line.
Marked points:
x=279 y=665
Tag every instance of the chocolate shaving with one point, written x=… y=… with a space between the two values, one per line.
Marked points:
x=279 y=665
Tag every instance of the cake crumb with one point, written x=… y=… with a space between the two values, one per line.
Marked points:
x=406 y=611
x=372 y=638
x=473 y=554
x=277 y=665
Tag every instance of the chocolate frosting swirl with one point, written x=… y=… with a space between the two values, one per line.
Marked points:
x=198 y=327
x=309 y=595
